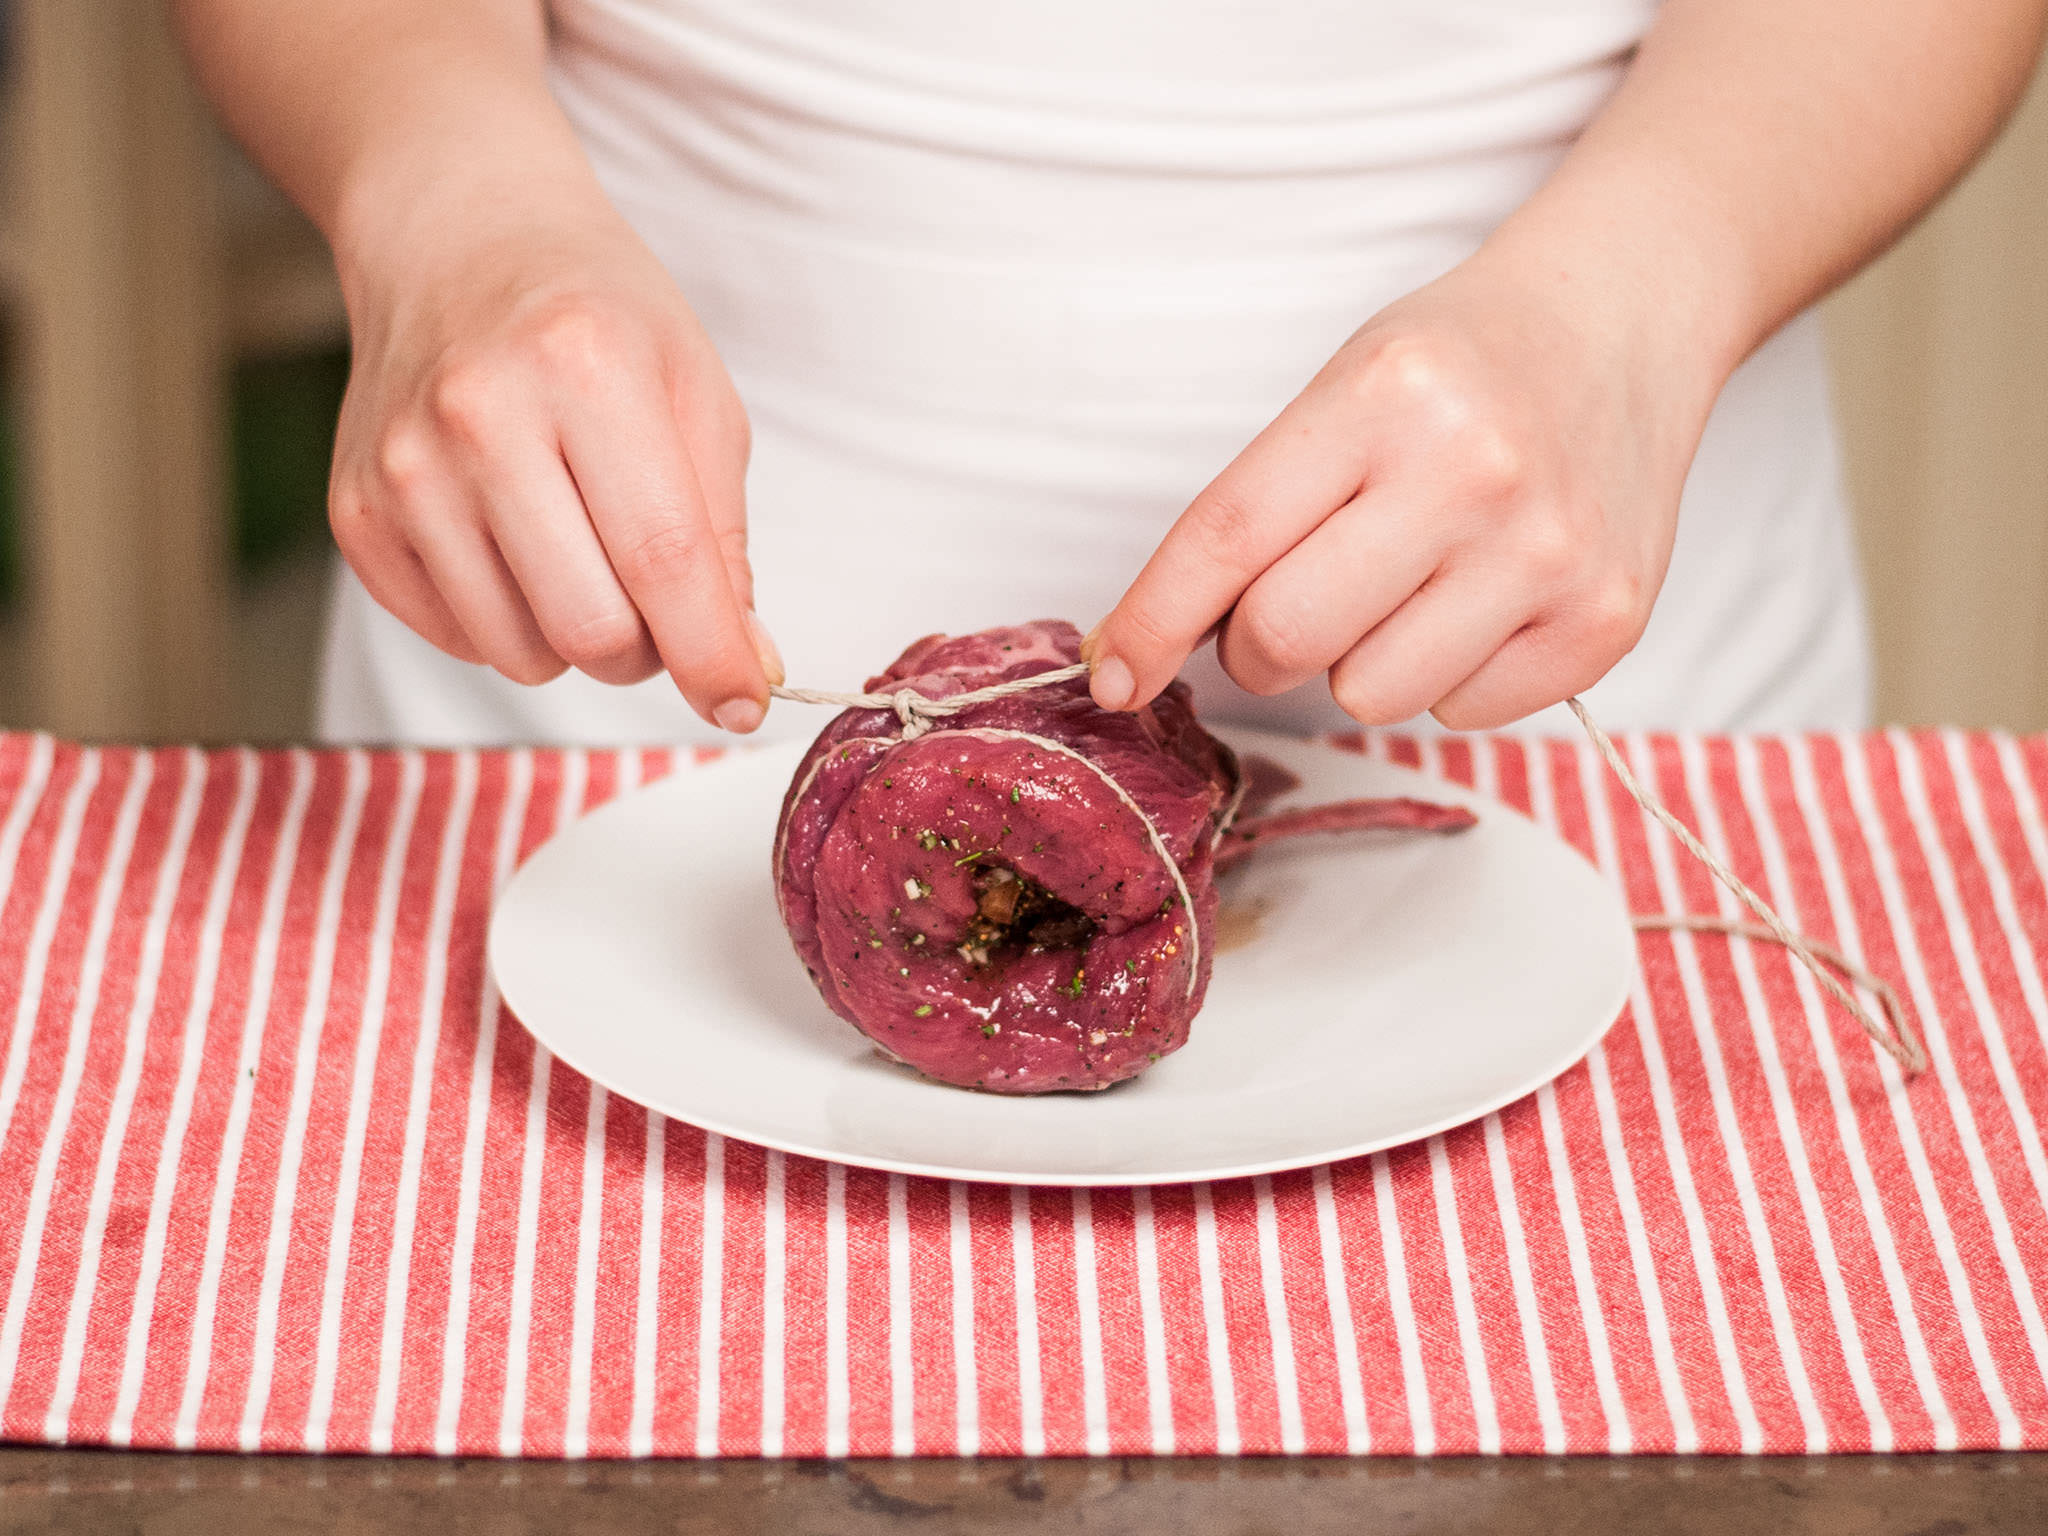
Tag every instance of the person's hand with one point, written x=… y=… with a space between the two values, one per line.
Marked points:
x=1468 y=511
x=540 y=461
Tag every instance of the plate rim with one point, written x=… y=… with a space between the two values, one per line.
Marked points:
x=1239 y=738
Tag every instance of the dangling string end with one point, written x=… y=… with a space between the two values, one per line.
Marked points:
x=1894 y=1035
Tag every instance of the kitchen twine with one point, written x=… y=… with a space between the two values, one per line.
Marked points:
x=1894 y=1034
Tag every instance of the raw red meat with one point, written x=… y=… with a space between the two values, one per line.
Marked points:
x=1248 y=834
x=1004 y=902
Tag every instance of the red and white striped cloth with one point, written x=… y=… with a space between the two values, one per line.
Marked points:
x=276 y=1172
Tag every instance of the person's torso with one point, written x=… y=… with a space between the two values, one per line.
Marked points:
x=1092 y=216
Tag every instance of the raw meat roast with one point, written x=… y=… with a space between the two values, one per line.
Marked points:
x=1022 y=899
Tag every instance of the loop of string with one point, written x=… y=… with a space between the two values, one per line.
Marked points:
x=1903 y=1046
x=1894 y=1035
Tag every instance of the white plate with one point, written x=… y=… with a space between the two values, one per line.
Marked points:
x=1390 y=987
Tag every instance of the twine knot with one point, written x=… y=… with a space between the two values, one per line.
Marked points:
x=914 y=710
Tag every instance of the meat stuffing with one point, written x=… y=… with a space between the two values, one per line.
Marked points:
x=1023 y=899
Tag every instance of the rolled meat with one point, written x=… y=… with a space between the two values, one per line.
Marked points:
x=1022 y=898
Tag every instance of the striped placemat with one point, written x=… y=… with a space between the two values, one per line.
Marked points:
x=277 y=1172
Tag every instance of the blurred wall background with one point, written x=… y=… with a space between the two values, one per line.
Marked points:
x=1941 y=365
x=172 y=351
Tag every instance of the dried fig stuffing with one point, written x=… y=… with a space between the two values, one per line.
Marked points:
x=1015 y=913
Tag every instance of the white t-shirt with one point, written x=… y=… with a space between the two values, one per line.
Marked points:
x=1002 y=285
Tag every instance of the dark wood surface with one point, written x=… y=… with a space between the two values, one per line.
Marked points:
x=115 y=1493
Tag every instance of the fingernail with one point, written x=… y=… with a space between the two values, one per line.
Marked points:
x=764 y=647
x=739 y=716
x=1111 y=683
x=1089 y=641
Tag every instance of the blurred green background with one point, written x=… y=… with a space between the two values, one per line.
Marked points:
x=281 y=428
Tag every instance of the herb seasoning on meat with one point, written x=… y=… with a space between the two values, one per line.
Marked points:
x=1067 y=966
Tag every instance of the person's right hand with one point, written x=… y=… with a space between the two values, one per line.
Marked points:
x=540 y=462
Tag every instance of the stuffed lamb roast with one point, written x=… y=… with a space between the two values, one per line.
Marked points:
x=1022 y=899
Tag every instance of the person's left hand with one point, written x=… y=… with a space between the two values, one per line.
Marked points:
x=1468 y=511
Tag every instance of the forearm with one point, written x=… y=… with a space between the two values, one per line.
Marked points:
x=381 y=118
x=1760 y=151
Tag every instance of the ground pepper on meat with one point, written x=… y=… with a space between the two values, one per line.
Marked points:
x=1035 y=933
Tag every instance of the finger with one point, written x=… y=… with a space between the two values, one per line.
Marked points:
x=393 y=575
x=1292 y=476
x=644 y=498
x=1312 y=605
x=718 y=441
x=544 y=533
x=1428 y=646
x=1562 y=654
x=470 y=573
